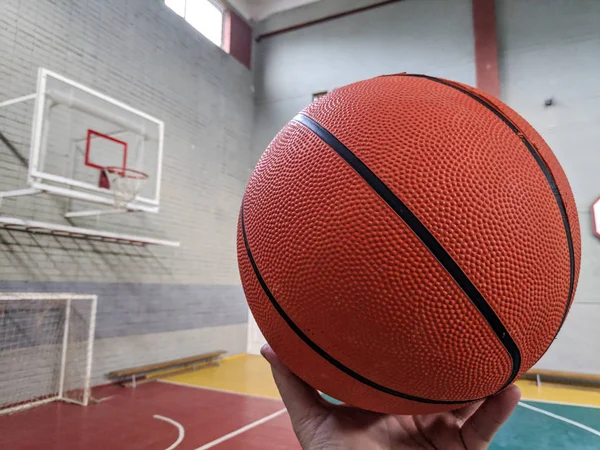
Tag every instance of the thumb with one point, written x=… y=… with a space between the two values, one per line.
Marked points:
x=479 y=430
x=302 y=401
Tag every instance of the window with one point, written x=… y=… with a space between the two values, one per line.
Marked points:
x=205 y=16
x=177 y=5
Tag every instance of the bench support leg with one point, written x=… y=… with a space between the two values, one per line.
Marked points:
x=133 y=381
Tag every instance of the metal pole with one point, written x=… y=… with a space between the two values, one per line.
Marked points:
x=14 y=101
x=161 y=143
x=90 y=350
x=63 y=359
x=38 y=122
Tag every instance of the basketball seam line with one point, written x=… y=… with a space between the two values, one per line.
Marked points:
x=326 y=356
x=543 y=167
x=425 y=236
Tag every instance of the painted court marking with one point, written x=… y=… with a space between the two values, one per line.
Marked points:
x=561 y=418
x=554 y=402
x=242 y=430
x=224 y=391
x=179 y=428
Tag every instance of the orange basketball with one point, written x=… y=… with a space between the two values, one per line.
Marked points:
x=409 y=244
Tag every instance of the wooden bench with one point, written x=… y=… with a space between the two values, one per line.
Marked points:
x=143 y=374
x=581 y=379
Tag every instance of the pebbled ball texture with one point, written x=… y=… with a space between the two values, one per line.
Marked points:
x=355 y=281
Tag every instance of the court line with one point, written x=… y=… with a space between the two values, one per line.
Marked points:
x=224 y=391
x=236 y=356
x=241 y=430
x=180 y=429
x=561 y=418
x=553 y=402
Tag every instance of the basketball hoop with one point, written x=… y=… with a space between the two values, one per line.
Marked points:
x=126 y=184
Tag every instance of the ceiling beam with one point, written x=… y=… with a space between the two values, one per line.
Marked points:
x=324 y=19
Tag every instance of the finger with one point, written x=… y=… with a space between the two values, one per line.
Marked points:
x=464 y=413
x=478 y=431
x=299 y=398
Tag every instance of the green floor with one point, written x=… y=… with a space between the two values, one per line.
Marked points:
x=533 y=430
x=528 y=429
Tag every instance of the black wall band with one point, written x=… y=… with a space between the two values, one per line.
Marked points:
x=426 y=238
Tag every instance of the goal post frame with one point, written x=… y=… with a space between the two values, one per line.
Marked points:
x=86 y=387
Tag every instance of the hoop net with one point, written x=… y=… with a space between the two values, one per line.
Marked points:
x=126 y=184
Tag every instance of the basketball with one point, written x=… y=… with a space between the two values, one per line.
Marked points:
x=408 y=244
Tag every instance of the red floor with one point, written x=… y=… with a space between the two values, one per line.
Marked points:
x=125 y=421
x=276 y=434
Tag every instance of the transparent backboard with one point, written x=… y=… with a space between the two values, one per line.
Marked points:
x=78 y=132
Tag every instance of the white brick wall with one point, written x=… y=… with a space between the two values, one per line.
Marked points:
x=143 y=54
x=109 y=354
x=390 y=39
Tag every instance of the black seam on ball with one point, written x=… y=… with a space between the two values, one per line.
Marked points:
x=544 y=168
x=426 y=237
x=322 y=353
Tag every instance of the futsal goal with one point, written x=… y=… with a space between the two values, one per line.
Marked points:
x=46 y=345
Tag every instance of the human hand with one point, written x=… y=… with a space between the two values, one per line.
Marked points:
x=323 y=426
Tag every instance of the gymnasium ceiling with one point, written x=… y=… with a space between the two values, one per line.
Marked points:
x=261 y=9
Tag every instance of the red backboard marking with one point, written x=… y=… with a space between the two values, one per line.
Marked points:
x=88 y=145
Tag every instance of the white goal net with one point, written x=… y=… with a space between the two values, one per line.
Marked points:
x=46 y=344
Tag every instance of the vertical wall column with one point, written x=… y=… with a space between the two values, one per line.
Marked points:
x=237 y=38
x=486 y=46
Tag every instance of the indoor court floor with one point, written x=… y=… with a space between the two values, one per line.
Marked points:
x=236 y=406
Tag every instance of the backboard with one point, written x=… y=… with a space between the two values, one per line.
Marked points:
x=83 y=146
x=77 y=132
